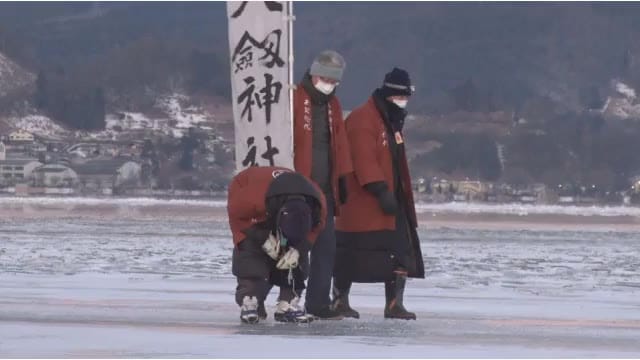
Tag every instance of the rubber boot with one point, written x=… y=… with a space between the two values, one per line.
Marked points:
x=394 y=293
x=262 y=311
x=340 y=303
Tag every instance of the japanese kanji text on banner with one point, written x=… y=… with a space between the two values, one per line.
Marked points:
x=259 y=39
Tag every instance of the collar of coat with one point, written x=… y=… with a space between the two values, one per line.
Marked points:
x=392 y=116
x=317 y=98
x=307 y=112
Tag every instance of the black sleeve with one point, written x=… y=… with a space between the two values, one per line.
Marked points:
x=256 y=235
x=376 y=188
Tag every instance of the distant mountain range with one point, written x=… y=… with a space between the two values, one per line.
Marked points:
x=527 y=78
x=510 y=51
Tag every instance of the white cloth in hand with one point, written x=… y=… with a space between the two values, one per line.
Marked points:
x=272 y=247
x=289 y=260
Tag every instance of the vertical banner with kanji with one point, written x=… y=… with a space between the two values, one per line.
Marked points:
x=259 y=41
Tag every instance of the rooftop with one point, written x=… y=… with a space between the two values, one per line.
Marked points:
x=17 y=161
x=99 y=167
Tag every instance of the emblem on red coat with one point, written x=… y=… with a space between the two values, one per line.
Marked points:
x=399 y=139
x=277 y=173
x=307 y=116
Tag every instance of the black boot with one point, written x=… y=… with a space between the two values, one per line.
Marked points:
x=262 y=311
x=340 y=303
x=394 y=293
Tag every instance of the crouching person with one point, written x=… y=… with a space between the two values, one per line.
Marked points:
x=275 y=214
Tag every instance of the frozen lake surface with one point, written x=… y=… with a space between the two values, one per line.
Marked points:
x=132 y=285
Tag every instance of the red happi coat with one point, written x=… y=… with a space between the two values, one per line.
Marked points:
x=369 y=141
x=246 y=203
x=303 y=138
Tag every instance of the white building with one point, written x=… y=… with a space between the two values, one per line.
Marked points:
x=3 y=151
x=17 y=170
x=21 y=136
x=55 y=175
x=106 y=174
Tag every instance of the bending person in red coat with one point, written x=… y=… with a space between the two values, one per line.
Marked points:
x=376 y=233
x=275 y=215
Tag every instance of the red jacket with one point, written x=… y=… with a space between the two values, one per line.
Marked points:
x=302 y=138
x=246 y=204
x=368 y=140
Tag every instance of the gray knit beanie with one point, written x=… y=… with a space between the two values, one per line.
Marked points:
x=328 y=64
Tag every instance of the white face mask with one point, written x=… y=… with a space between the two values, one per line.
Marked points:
x=400 y=103
x=324 y=87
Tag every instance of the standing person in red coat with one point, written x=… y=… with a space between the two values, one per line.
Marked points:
x=321 y=153
x=376 y=230
x=275 y=215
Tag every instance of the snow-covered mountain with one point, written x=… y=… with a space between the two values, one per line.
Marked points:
x=623 y=103
x=12 y=75
x=172 y=115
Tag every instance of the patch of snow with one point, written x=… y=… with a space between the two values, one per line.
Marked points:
x=178 y=117
x=129 y=121
x=184 y=117
x=606 y=105
x=40 y=125
x=623 y=109
x=12 y=75
x=625 y=90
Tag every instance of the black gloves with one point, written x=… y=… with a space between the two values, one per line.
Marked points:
x=388 y=203
x=386 y=199
x=342 y=189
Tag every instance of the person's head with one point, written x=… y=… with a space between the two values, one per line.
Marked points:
x=397 y=88
x=293 y=205
x=326 y=71
x=295 y=220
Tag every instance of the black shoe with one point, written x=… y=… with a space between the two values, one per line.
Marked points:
x=394 y=294
x=340 y=303
x=398 y=312
x=325 y=313
x=262 y=312
x=344 y=309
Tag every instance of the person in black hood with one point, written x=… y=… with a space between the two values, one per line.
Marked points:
x=275 y=215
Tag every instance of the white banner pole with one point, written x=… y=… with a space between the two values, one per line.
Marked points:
x=292 y=83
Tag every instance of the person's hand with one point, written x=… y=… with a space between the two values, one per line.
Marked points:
x=289 y=260
x=272 y=247
x=388 y=203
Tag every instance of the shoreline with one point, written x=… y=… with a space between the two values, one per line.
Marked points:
x=530 y=222
x=430 y=216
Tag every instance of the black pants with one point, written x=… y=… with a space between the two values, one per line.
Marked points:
x=256 y=273
x=260 y=287
x=323 y=254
